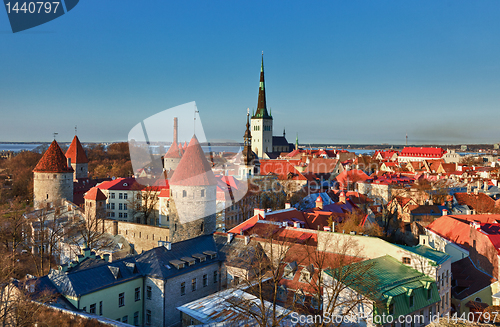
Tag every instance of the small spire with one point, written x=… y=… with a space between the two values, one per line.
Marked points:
x=75 y=129
x=297 y=142
x=55 y=134
x=284 y=132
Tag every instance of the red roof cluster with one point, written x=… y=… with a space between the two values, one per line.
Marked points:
x=121 y=184
x=53 y=161
x=76 y=152
x=193 y=169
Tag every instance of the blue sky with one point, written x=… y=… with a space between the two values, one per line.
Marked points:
x=336 y=71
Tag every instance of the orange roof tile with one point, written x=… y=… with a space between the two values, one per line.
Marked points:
x=76 y=152
x=95 y=194
x=173 y=151
x=53 y=161
x=193 y=169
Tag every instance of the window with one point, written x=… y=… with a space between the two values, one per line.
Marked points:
x=120 y=215
x=205 y=280
x=112 y=214
x=406 y=261
x=184 y=194
x=100 y=308
x=125 y=207
x=136 y=318
x=202 y=193
x=107 y=205
x=137 y=293
x=183 y=288
x=148 y=292
x=391 y=308
x=121 y=299
x=148 y=317
x=478 y=299
x=92 y=308
x=85 y=309
x=112 y=206
x=117 y=319
x=193 y=284
x=215 y=276
x=120 y=195
x=138 y=196
x=125 y=319
x=412 y=300
x=112 y=195
x=125 y=215
x=429 y=293
x=120 y=206
x=125 y=196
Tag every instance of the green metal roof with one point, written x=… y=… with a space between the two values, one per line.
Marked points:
x=437 y=256
x=386 y=281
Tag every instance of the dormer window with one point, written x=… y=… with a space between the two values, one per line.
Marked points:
x=289 y=270
x=306 y=274
x=406 y=261
x=211 y=254
x=177 y=263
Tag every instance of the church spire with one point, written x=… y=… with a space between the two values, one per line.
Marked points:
x=261 y=102
x=247 y=143
x=297 y=142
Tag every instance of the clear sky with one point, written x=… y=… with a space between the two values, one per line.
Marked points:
x=336 y=71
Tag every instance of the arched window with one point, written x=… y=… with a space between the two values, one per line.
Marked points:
x=478 y=299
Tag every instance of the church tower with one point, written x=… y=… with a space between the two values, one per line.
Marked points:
x=53 y=177
x=262 y=121
x=79 y=161
x=193 y=190
x=247 y=167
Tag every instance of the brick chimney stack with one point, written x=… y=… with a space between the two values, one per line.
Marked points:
x=175 y=130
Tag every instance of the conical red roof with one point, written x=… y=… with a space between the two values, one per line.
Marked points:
x=193 y=169
x=76 y=152
x=53 y=161
x=173 y=151
x=95 y=194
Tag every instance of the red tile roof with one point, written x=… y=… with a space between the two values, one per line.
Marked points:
x=480 y=202
x=422 y=152
x=454 y=230
x=121 y=184
x=193 y=169
x=164 y=193
x=53 y=161
x=173 y=151
x=321 y=165
x=282 y=168
x=95 y=194
x=351 y=176
x=76 y=152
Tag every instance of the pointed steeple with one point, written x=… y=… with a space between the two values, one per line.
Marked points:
x=76 y=152
x=53 y=161
x=297 y=142
x=261 y=102
x=247 y=143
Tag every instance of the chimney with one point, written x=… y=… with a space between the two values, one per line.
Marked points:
x=258 y=211
x=445 y=212
x=296 y=224
x=342 y=197
x=241 y=231
x=423 y=240
x=319 y=202
x=230 y=237
x=115 y=227
x=175 y=130
x=69 y=162
x=485 y=186
x=327 y=229
x=287 y=205
x=168 y=245
x=247 y=240
x=475 y=225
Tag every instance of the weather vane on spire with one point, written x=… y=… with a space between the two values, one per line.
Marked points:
x=194 y=124
x=75 y=129
x=55 y=134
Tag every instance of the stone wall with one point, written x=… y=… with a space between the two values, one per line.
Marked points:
x=51 y=187
x=141 y=237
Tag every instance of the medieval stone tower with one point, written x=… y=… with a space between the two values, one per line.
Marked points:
x=173 y=156
x=262 y=121
x=248 y=160
x=53 y=177
x=79 y=161
x=193 y=190
x=95 y=205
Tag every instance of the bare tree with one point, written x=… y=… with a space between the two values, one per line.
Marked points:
x=144 y=204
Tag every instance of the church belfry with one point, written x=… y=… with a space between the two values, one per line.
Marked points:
x=262 y=121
